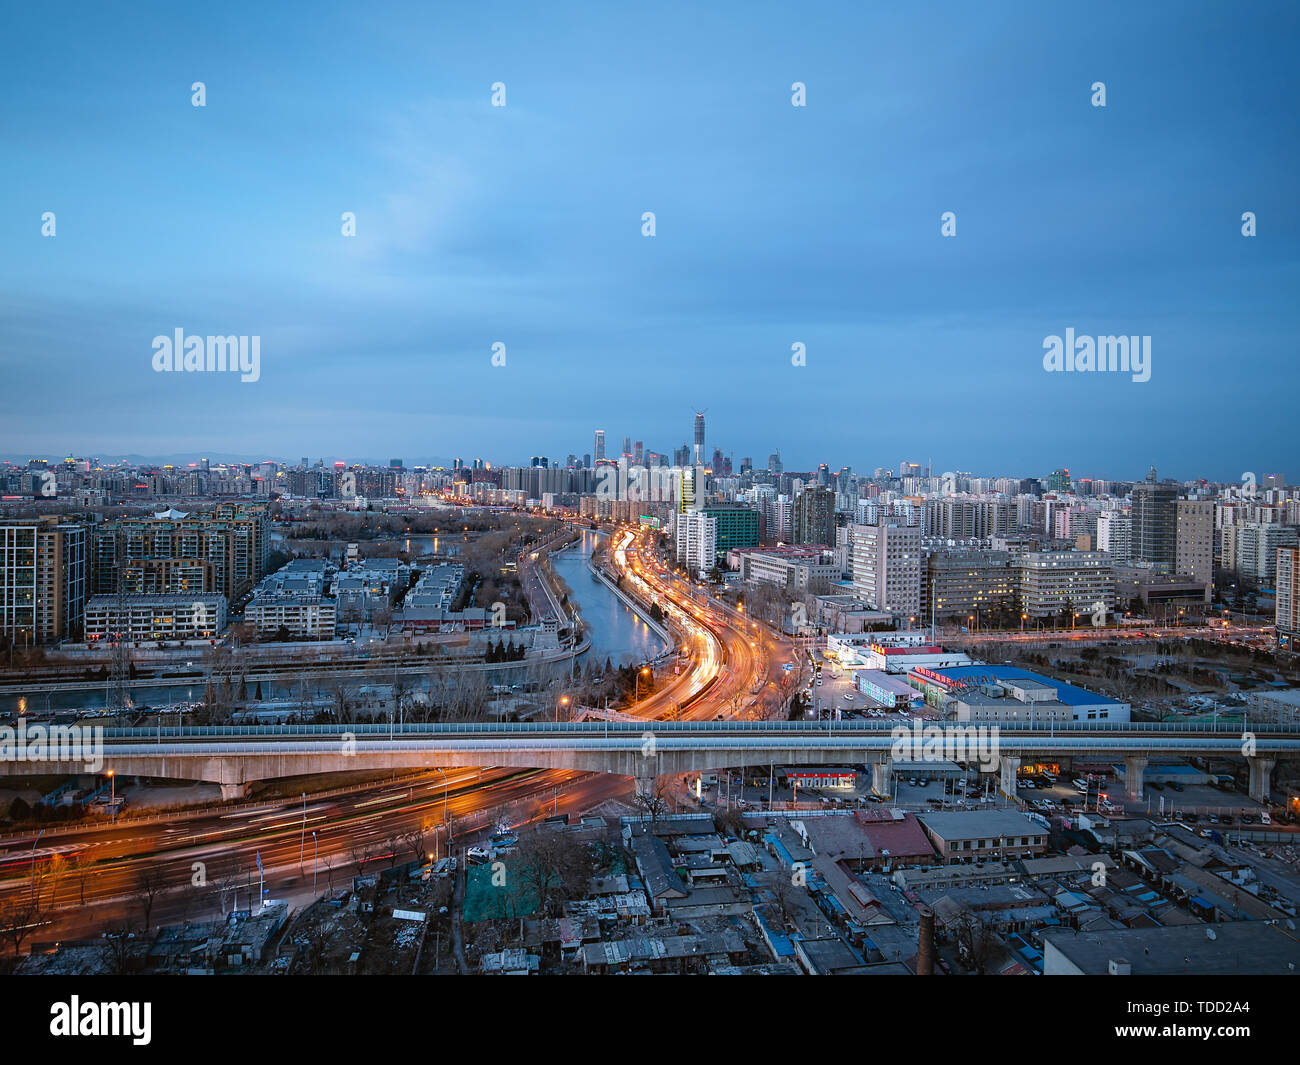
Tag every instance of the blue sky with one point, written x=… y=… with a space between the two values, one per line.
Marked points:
x=775 y=224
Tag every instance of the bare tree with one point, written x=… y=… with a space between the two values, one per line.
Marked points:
x=654 y=803
x=20 y=915
x=977 y=941
x=149 y=883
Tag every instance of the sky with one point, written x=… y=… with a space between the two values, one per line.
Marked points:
x=775 y=225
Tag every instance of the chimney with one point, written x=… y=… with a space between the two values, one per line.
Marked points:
x=925 y=947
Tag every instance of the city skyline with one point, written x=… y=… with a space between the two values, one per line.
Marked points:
x=1260 y=474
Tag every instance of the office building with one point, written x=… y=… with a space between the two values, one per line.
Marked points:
x=1194 y=540
x=737 y=527
x=973 y=585
x=1155 y=522
x=1068 y=586
x=886 y=567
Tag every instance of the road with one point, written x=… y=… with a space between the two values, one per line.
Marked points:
x=732 y=670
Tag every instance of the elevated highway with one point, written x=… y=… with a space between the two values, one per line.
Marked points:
x=234 y=756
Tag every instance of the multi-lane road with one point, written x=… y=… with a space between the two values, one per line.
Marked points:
x=732 y=668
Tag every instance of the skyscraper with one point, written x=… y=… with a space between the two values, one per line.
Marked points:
x=1155 y=521
x=886 y=567
x=600 y=444
x=814 y=516
x=699 y=438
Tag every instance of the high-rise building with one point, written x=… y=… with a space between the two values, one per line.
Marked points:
x=599 y=451
x=886 y=569
x=960 y=582
x=737 y=526
x=226 y=551
x=814 y=516
x=1194 y=541
x=1257 y=549
x=1287 y=618
x=1115 y=535
x=1059 y=481
x=699 y=438
x=686 y=492
x=697 y=541
x=43 y=580
x=1155 y=521
x=966 y=519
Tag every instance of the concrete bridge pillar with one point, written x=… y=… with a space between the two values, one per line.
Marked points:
x=233 y=785
x=1134 y=769
x=1261 y=777
x=1010 y=767
x=882 y=777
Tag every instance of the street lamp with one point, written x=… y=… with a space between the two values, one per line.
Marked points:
x=636 y=691
x=563 y=700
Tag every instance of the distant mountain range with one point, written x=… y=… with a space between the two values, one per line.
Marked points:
x=217 y=458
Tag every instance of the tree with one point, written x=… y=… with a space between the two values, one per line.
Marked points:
x=149 y=882
x=551 y=866
x=977 y=941
x=653 y=803
x=20 y=914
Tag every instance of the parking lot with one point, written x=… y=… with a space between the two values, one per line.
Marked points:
x=838 y=693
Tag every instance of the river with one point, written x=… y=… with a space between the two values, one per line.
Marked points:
x=615 y=630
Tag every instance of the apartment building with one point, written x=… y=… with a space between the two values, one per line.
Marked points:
x=172 y=551
x=1115 y=535
x=308 y=616
x=697 y=541
x=155 y=617
x=43 y=580
x=1287 y=618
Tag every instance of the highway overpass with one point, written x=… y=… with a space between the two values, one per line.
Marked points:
x=235 y=756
